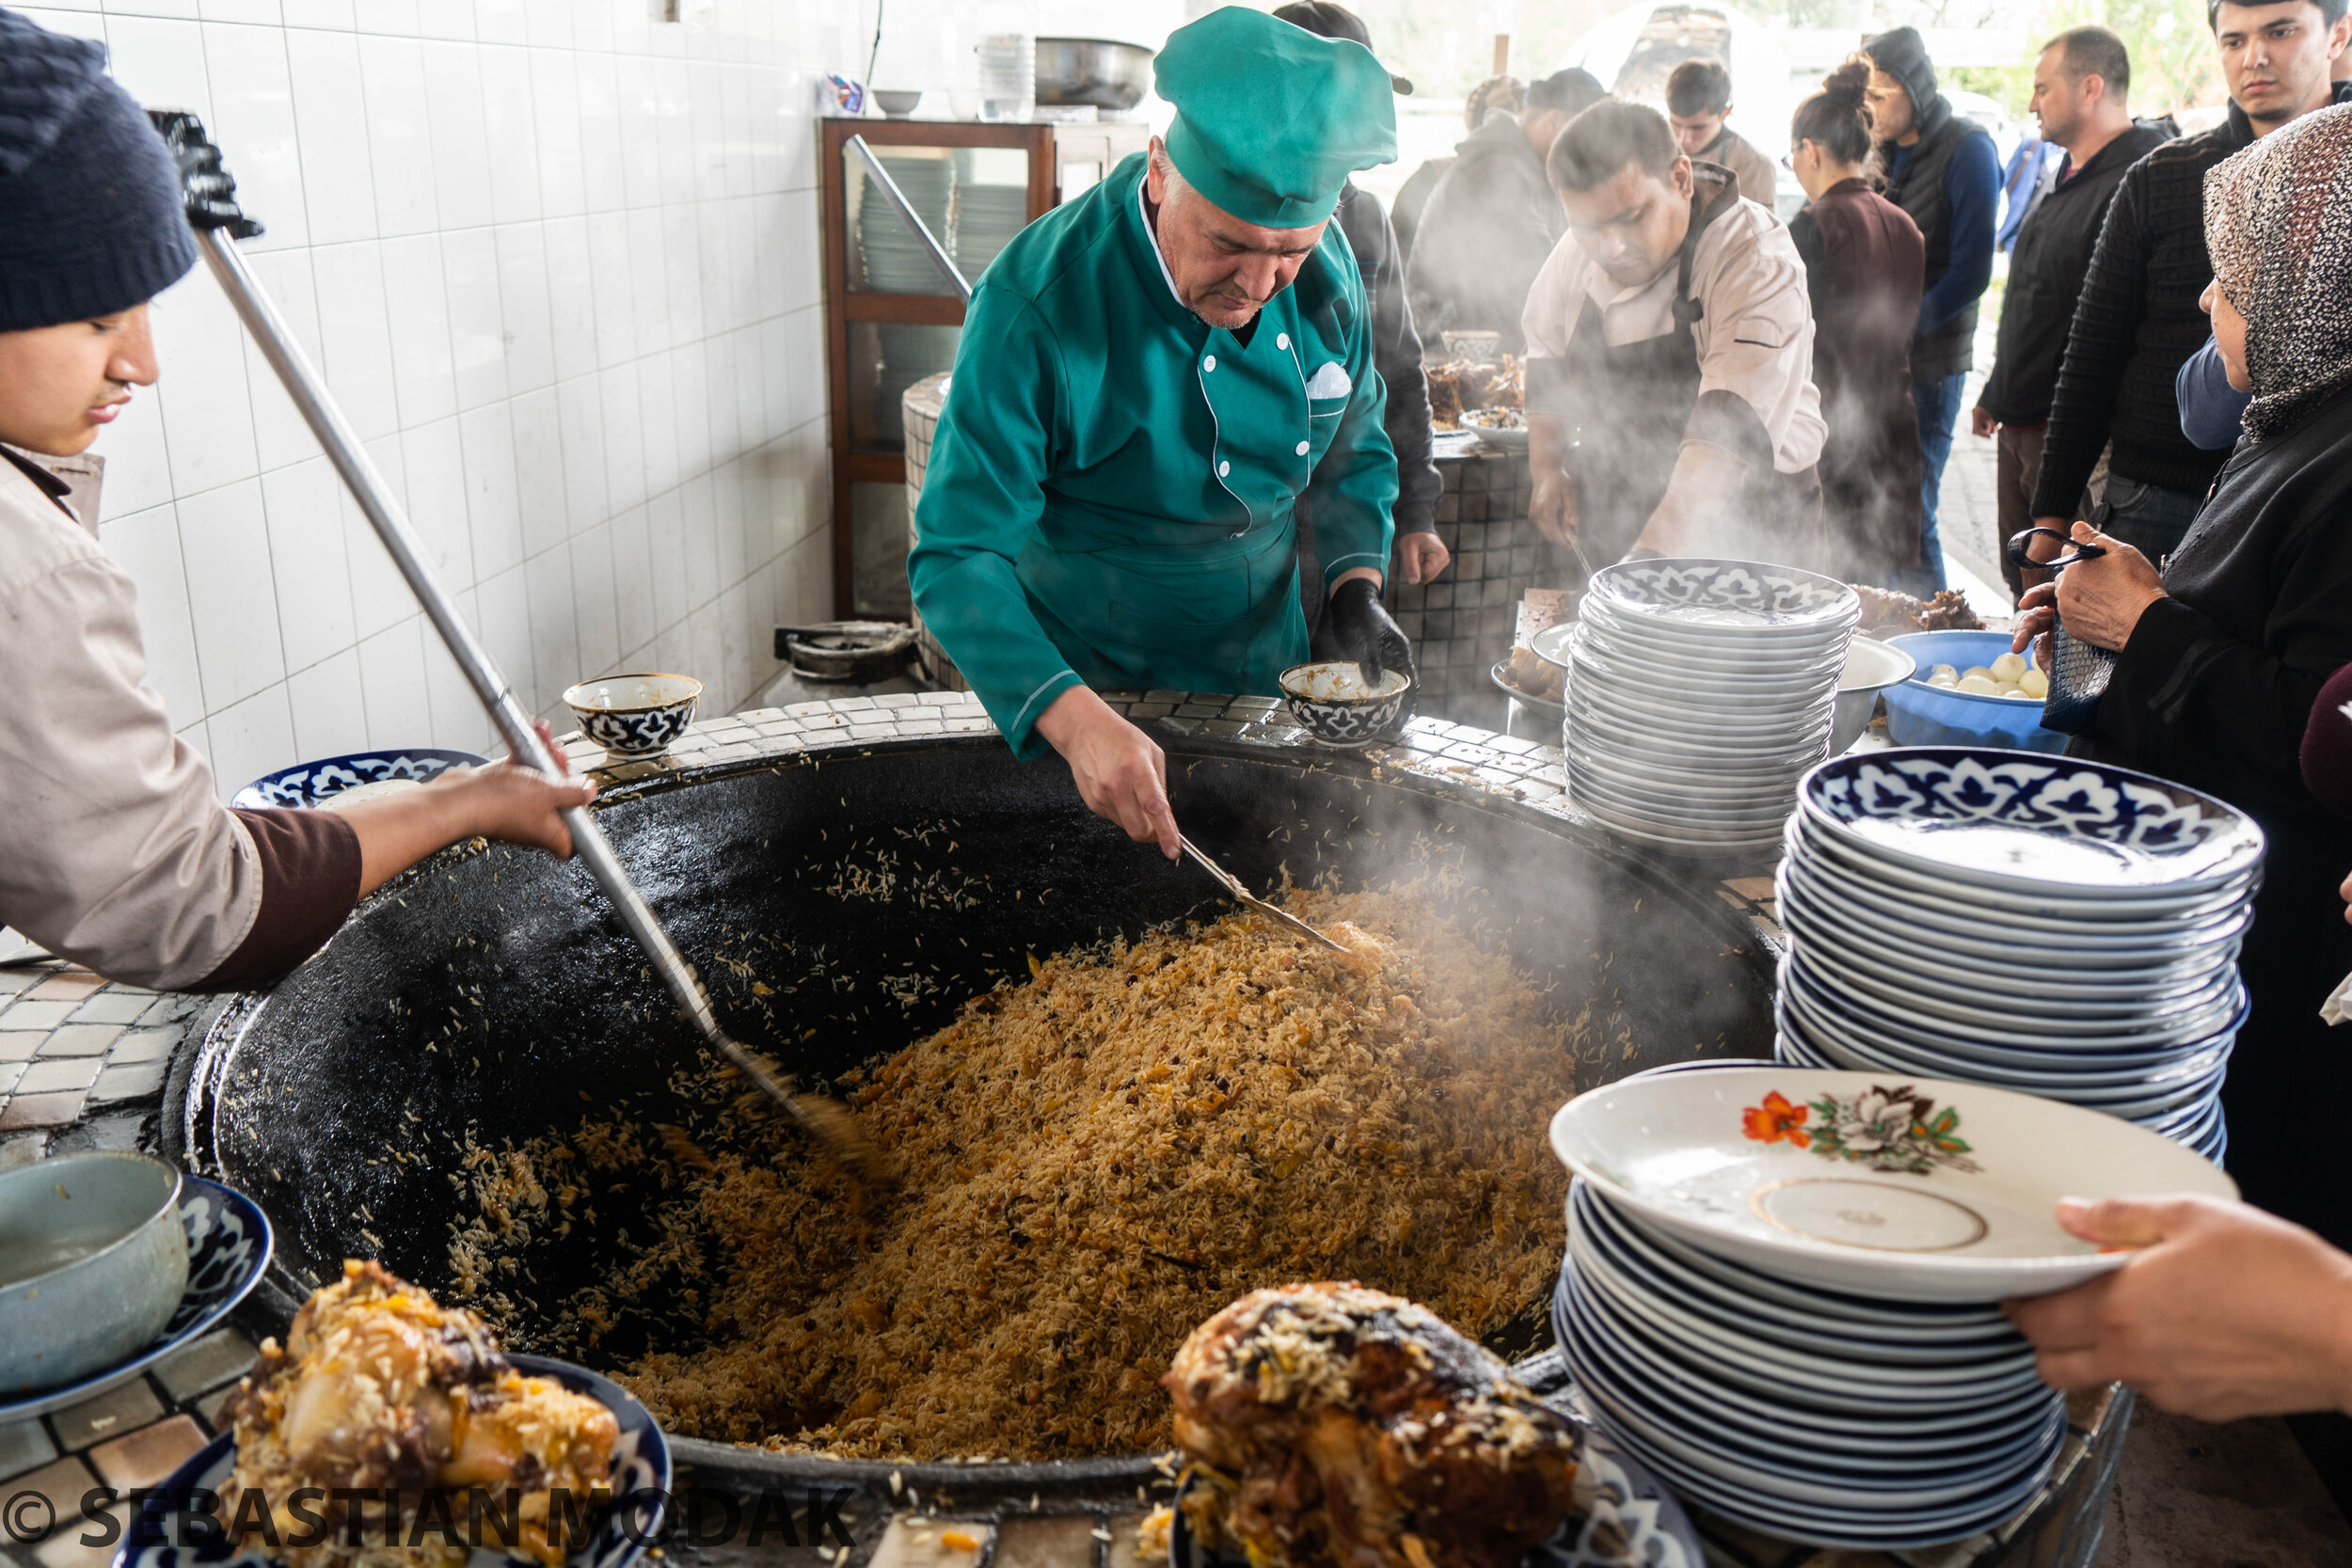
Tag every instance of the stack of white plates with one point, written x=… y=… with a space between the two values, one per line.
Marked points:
x=896 y=258
x=2056 y=926
x=1698 y=693
x=987 y=218
x=1781 y=1289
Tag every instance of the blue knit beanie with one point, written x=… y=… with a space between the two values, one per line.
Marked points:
x=90 y=220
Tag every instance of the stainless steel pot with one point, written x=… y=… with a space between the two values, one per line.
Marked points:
x=1072 y=72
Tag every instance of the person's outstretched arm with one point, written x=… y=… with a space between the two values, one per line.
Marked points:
x=2222 y=1310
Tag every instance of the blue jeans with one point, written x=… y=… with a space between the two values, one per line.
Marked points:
x=2148 y=518
x=1938 y=406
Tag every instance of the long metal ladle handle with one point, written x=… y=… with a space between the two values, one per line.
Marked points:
x=938 y=253
x=515 y=727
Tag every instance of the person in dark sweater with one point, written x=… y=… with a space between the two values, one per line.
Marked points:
x=2081 y=94
x=1866 y=266
x=1940 y=168
x=2137 y=317
x=1493 y=219
x=1395 y=354
x=2222 y=656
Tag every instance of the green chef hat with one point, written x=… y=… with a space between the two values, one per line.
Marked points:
x=1270 y=119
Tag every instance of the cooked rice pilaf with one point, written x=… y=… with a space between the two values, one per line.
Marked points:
x=1096 y=1160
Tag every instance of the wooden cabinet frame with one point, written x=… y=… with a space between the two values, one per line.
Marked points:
x=842 y=306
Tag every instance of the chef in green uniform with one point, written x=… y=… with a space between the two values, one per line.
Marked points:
x=1150 y=378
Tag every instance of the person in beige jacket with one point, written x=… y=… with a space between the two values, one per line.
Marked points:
x=115 y=850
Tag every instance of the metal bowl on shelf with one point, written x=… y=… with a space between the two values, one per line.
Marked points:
x=1072 y=71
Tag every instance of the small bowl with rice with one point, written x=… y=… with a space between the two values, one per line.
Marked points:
x=1339 y=707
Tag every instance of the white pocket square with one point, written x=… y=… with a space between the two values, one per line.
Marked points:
x=1331 y=382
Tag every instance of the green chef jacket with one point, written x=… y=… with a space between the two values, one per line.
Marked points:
x=1110 y=492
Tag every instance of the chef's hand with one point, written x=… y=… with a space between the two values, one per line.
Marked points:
x=1552 y=505
x=1423 y=555
x=1122 y=775
x=508 y=801
x=1360 y=626
x=2345 y=894
x=2223 y=1311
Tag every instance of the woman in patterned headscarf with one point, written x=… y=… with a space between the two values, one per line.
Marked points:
x=2223 y=655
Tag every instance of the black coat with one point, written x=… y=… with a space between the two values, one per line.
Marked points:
x=2046 y=271
x=2214 y=690
x=1864 y=266
x=2137 y=323
x=1488 y=229
x=1396 y=354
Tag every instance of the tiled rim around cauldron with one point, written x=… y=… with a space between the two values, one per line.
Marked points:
x=1435 y=755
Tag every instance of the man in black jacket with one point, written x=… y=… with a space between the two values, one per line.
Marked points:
x=1492 y=221
x=2138 y=320
x=2081 y=87
x=1395 y=354
x=1942 y=170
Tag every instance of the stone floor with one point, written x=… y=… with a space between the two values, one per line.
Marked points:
x=2240 y=1495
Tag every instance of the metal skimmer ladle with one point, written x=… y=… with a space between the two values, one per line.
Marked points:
x=1242 y=896
x=212 y=214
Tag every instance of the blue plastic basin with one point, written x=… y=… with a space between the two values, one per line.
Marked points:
x=1918 y=714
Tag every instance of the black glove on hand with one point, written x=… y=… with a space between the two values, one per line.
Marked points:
x=1360 y=624
x=207 y=190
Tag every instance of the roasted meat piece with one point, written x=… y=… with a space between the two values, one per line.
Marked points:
x=378 y=1387
x=1333 y=1425
x=1886 y=612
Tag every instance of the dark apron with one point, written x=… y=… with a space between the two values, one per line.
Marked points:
x=1628 y=406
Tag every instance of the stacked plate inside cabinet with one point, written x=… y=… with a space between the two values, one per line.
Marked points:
x=1699 y=691
x=2056 y=926
x=896 y=261
x=1782 y=1290
x=987 y=218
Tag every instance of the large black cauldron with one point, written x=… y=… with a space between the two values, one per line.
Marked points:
x=493 y=990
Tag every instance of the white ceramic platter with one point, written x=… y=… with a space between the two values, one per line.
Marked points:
x=1942 y=1192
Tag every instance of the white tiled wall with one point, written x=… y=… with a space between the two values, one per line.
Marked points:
x=558 y=260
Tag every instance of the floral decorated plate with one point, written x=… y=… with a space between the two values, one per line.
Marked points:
x=187 y=1503
x=2172 y=1011
x=2007 y=820
x=1919 y=1190
x=313 y=783
x=1744 y=595
x=2036 y=1071
x=228 y=1246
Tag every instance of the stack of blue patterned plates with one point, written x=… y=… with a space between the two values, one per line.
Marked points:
x=1699 y=691
x=2056 y=926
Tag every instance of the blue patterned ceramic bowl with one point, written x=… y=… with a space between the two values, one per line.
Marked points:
x=634 y=717
x=619 y=1536
x=313 y=783
x=1326 y=697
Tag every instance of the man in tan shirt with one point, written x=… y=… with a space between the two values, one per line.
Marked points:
x=1670 y=350
x=114 y=849
x=1698 y=104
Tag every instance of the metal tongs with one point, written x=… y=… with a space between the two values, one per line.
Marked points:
x=1242 y=896
x=209 y=200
